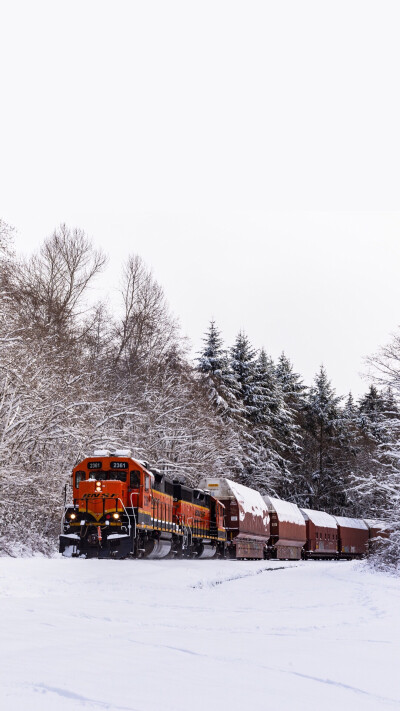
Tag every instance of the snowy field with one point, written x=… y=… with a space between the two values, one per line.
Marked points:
x=191 y=635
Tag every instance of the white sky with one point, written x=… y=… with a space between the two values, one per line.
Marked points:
x=249 y=151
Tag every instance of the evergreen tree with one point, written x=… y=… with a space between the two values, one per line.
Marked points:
x=353 y=457
x=264 y=467
x=324 y=442
x=243 y=365
x=273 y=423
x=372 y=409
x=379 y=486
x=377 y=418
x=350 y=420
x=291 y=384
x=213 y=358
x=292 y=429
x=218 y=377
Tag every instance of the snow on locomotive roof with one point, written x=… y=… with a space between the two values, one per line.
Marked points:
x=290 y=513
x=319 y=518
x=116 y=453
x=250 y=500
x=347 y=522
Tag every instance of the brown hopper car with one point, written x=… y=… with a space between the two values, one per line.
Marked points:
x=322 y=534
x=353 y=537
x=246 y=517
x=288 y=529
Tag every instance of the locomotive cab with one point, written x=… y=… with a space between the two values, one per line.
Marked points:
x=104 y=488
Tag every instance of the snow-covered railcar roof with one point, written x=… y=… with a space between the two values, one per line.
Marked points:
x=319 y=518
x=249 y=500
x=347 y=522
x=286 y=512
x=375 y=523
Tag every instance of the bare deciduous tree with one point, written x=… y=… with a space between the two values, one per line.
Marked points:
x=49 y=287
x=146 y=330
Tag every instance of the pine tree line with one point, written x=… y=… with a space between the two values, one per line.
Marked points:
x=304 y=444
x=75 y=377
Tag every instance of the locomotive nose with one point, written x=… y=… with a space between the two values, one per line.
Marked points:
x=102 y=499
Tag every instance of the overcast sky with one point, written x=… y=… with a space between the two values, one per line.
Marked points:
x=248 y=151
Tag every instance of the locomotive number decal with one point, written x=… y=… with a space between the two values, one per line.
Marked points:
x=118 y=465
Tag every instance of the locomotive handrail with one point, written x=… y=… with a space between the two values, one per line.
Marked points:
x=127 y=515
x=134 y=515
x=63 y=520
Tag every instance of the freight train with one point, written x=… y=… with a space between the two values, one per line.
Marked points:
x=121 y=507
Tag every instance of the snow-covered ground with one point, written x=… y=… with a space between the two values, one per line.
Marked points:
x=191 y=635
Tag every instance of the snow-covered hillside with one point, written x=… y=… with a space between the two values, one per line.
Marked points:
x=197 y=635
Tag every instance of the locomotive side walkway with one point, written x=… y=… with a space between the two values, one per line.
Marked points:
x=197 y=635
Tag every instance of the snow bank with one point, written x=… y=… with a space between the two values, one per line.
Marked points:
x=141 y=635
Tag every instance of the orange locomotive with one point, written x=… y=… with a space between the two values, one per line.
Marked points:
x=121 y=508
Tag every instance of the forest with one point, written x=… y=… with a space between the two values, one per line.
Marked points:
x=76 y=376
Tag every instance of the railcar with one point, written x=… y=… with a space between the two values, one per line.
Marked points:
x=288 y=530
x=377 y=529
x=122 y=508
x=353 y=537
x=247 y=519
x=322 y=534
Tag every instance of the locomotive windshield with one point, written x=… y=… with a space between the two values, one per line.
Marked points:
x=108 y=475
x=79 y=476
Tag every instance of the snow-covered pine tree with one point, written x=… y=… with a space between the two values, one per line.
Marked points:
x=213 y=358
x=373 y=410
x=291 y=383
x=292 y=429
x=366 y=429
x=376 y=481
x=353 y=457
x=323 y=446
x=350 y=417
x=243 y=365
x=272 y=425
x=380 y=487
x=262 y=464
x=218 y=377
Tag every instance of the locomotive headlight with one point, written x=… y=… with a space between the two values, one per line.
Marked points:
x=98 y=486
x=116 y=515
x=72 y=516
